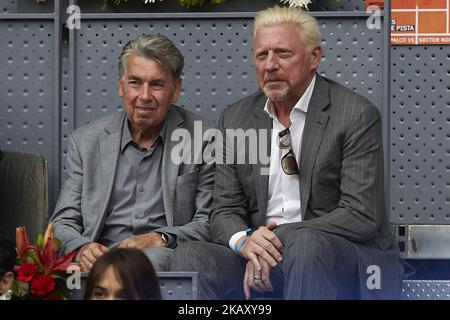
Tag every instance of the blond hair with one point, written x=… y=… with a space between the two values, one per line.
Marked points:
x=307 y=25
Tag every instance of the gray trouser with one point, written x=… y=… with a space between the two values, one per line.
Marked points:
x=160 y=257
x=316 y=265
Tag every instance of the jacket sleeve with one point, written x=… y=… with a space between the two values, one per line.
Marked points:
x=198 y=228
x=230 y=210
x=67 y=215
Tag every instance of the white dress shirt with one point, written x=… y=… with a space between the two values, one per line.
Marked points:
x=283 y=204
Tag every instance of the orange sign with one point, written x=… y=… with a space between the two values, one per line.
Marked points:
x=420 y=22
x=378 y=3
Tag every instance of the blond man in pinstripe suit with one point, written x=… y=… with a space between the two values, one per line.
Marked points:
x=315 y=227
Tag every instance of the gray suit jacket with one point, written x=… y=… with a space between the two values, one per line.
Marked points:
x=341 y=178
x=93 y=151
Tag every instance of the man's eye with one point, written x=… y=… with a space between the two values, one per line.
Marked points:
x=261 y=56
x=157 y=86
x=284 y=54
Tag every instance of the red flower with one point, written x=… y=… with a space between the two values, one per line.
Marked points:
x=22 y=242
x=26 y=272
x=39 y=265
x=49 y=258
x=42 y=284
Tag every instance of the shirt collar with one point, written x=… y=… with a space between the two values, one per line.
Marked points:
x=127 y=138
x=302 y=103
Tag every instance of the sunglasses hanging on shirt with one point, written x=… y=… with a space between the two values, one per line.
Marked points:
x=288 y=161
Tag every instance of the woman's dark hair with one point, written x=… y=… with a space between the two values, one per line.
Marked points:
x=133 y=270
x=7 y=255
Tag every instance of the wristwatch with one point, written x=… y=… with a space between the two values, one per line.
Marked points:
x=164 y=239
x=249 y=231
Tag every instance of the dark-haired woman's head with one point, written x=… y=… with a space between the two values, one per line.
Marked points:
x=123 y=274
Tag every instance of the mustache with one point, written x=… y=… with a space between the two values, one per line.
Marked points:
x=272 y=77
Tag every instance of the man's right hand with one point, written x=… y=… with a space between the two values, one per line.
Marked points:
x=265 y=244
x=89 y=253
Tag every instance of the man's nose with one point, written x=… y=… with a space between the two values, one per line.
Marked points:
x=146 y=92
x=271 y=62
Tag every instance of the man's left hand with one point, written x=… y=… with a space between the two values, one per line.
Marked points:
x=148 y=240
x=263 y=243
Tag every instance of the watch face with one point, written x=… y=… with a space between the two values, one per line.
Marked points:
x=164 y=238
x=249 y=231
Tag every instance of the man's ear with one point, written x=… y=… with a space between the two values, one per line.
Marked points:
x=316 y=56
x=120 y=87
x=178 y=86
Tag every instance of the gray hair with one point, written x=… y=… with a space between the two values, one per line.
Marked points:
x=153 y=46
x=307 y=25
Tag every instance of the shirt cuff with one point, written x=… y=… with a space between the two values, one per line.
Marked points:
x=235 y=238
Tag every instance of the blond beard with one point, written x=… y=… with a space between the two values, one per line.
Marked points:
x=277 y=95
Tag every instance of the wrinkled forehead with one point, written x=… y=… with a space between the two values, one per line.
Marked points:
x=277 y=35
x=143 y=66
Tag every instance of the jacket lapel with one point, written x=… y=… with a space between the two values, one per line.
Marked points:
x=260 y=171
x=109 y=154
x=316 y=122
x=169 y=168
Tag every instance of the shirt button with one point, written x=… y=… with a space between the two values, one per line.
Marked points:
x=141 y=189
x=136 y=216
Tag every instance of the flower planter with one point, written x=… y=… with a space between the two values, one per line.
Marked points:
x=172 y=6
x=138 y=6
x=31 y=6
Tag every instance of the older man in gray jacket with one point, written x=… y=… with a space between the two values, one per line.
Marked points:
x=123 y=188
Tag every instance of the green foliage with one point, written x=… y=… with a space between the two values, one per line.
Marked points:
x=197 y=3
x=184 y=3
x=191 y=3
x=19 y=288
x=117 y=2
x=40 y=240
x=58 y=242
